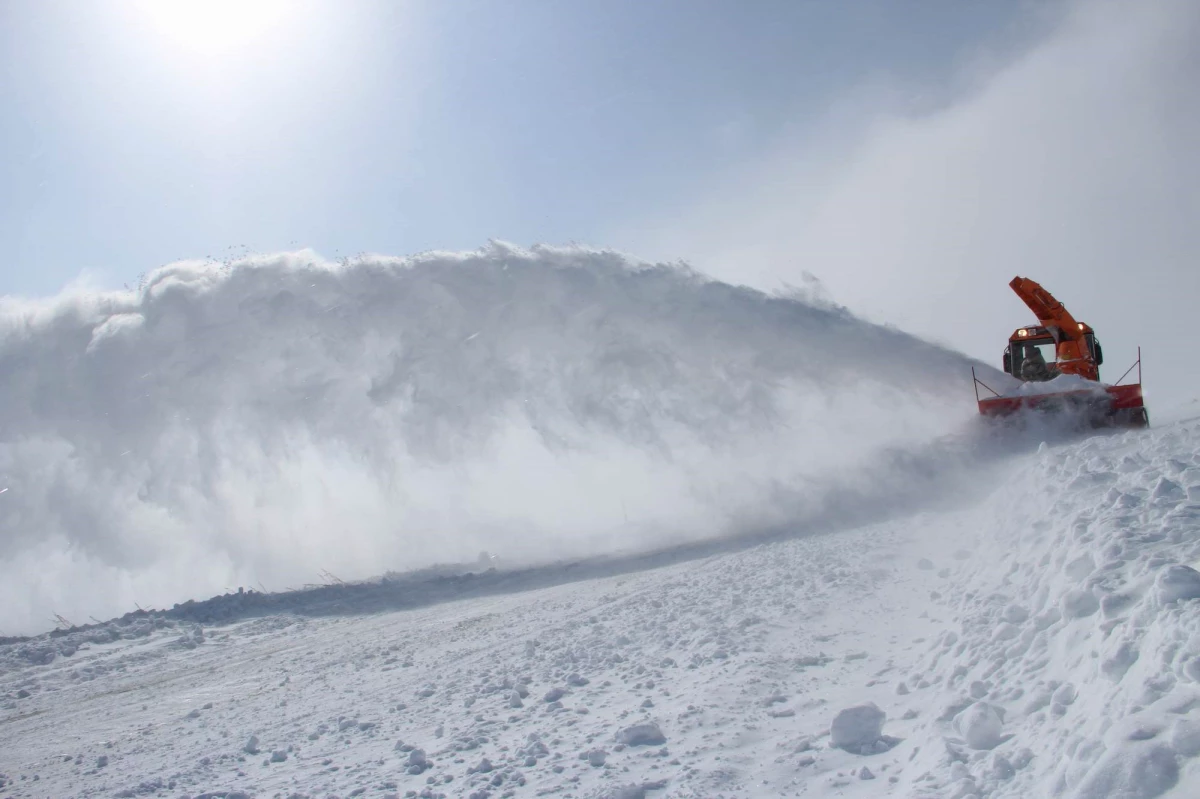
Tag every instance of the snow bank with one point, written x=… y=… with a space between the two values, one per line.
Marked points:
x=280 y=418
x=1073 y=668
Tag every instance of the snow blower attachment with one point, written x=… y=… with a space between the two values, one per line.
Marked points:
x=1069 y=380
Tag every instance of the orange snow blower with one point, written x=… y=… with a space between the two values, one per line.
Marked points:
x=1070 y=379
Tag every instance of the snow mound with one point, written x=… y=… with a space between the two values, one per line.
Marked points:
x=1090 y=687
x=1137 y=771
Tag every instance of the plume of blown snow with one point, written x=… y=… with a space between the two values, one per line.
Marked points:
x=1071 y=160
x=265 y=420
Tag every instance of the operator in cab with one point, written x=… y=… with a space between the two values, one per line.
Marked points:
x=1035 y=369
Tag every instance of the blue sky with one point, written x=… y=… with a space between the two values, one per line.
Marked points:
x=398 y=127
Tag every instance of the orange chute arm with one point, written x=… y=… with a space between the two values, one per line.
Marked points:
x=1072 y=351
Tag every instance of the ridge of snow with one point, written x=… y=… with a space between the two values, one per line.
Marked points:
x=1079 y=618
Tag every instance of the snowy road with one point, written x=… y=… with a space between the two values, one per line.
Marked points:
x=724 y=655
x=1045 y=643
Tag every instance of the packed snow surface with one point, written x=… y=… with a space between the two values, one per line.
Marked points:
x=285 y=420
x=1043 y=643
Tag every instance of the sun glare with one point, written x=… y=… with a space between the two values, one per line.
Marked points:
x=214 y=27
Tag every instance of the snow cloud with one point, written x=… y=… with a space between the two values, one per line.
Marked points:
x=275 y=418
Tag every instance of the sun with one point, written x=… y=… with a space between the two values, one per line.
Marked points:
x=213 y=27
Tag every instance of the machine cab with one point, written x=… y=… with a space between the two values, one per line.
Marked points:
x=1026 y=340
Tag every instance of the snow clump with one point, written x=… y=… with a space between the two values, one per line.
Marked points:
x=647 y=734
x=1176 y=583
x=857 y=729
x=980 y=725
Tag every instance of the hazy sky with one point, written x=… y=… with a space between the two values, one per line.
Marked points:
x=913 y=156
x=1071 y=158
x=130 y=138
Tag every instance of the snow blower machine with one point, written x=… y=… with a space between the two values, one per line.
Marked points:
x=1068 y=381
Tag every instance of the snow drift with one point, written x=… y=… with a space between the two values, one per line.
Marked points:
x=1076 y=618
x=279 y=417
